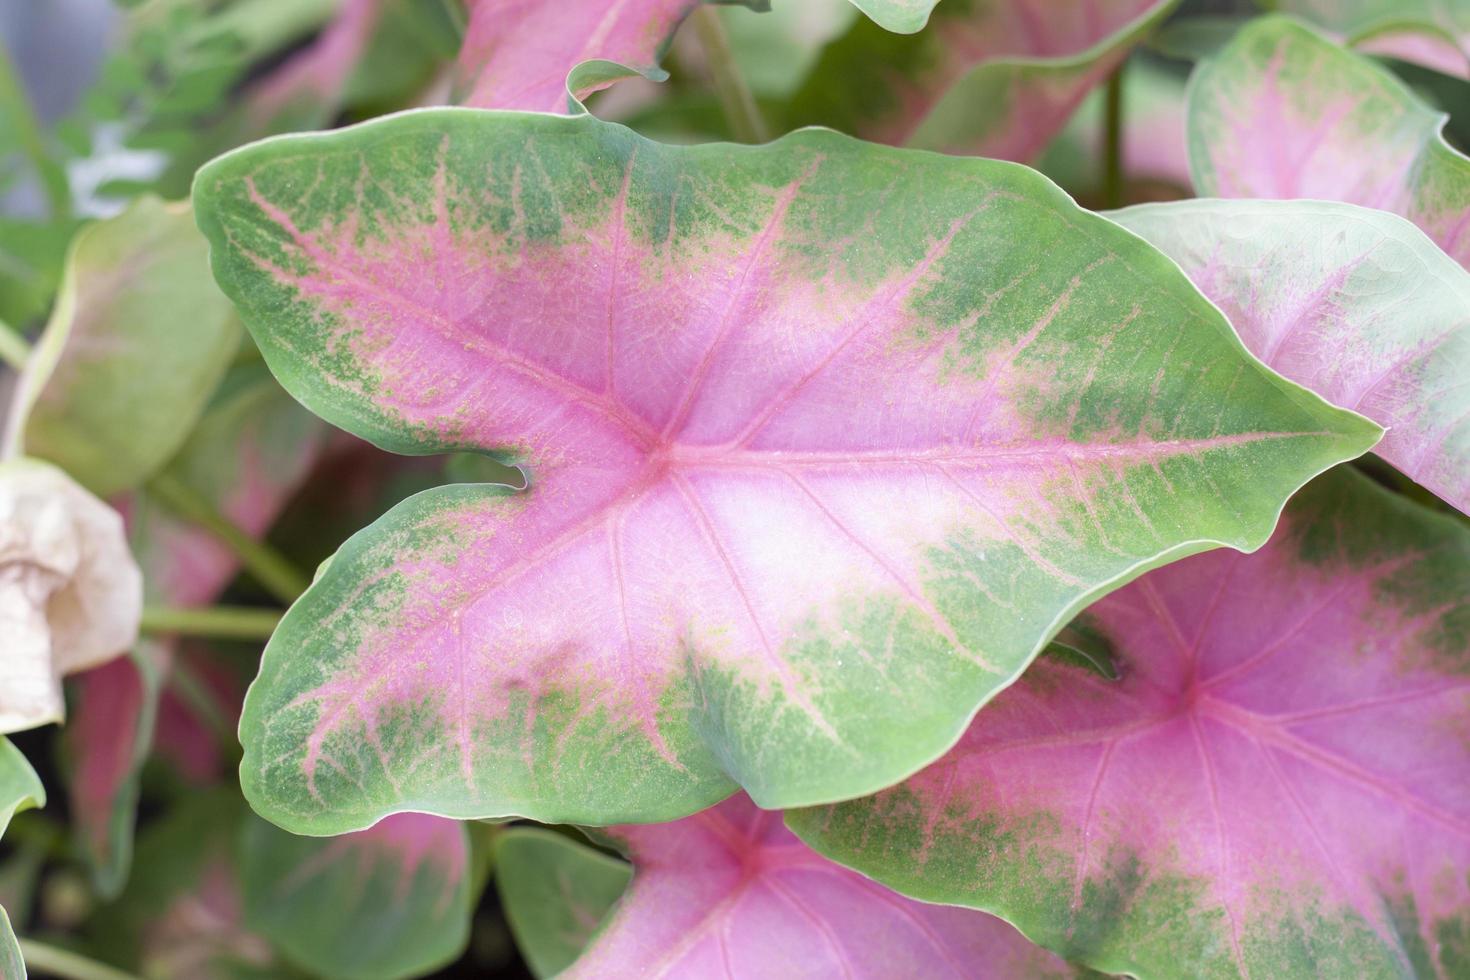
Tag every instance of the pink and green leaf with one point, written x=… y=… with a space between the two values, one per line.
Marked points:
x=732 y=893
x=1357 y=305
x=1430 y=32
x=1282 y=112
x=991 y=79
x=720 y=367
x=137 y=341
x=555 y=893
x=520 y=54
x=1276 y=786
x=389 y=902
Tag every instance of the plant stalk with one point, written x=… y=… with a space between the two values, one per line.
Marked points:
x=216 y=622
x=267 y=565
x=13 y=347
x=1112 y=196
x=47 y=960
x=741 y=112
x=194 y=692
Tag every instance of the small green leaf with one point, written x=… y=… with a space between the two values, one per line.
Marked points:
x=555 y=892
x=20 y=787
x=12 y=964
x=137 y=341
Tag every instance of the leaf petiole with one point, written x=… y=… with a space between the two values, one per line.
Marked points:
x=218 y=622
x=51 y=960
x=743 y=115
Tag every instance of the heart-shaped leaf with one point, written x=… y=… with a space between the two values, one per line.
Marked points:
x=555 y=893
x=520 y=55
x=732 y=893
x=137 y=342
x=1283 y=112
x=992 y=79
x=1278 y=786
x=248 y=454
x=389 y=902
x=1429 y=32
x=1357 y=305
x=824 y=441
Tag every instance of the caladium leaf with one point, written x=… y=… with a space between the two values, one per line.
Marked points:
x=555 y=893
x=1428 y=32
x=731 y=892
x=1276 y=786
x=71 y=595
x=1283 y=112
x=246 y=457
x=137 y=341
x=12 y=963
x=115 y=707
x=20 y=787
x=991 y=79
x=1356 y=304
x=519 y=54
x=720 y=367
x=389 y=902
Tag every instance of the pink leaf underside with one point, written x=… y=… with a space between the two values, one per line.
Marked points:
x=1283 y=730
x=517 y=53
x=103 y=729
x=996 y=32
x=730 y=892
x=409 y=841
x=1427 y=49
x=1287 y=133
x=320 y=72
x=202 y=926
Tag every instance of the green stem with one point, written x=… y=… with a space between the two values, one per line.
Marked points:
x=13 y=347
x=267 y=565
x=48 y=960
x=218 y=622
x=17 y=106
x=743 y=115
x=190 y=688
x=1113 y=140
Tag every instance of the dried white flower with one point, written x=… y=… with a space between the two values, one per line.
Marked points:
x=70 y=592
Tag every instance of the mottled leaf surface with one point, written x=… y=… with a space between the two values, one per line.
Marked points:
x=1277 y=786
x=721 y=379
x=730 y=892
x=1357 y=305
x=137 y=341
x=1283 y=112
x=392 y=901
x=555 y=893
x=1430 y=32
x=985 y=78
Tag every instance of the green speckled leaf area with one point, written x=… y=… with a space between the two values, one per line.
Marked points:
x=1274 y=787
x=824 y=441
x=137 y=341
x=555 y=892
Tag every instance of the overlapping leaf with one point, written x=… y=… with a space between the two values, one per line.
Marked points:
x=1277 y=786
x=731 y=893
x=824 y=441
x=1430 y=32
x=1282 y=112
x=555 y=893
x=20 y=789
x=389 y=902
x=519 y=54
x=137 y=341
x=992 y=79
x=1355 y=304
x=249 y=452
